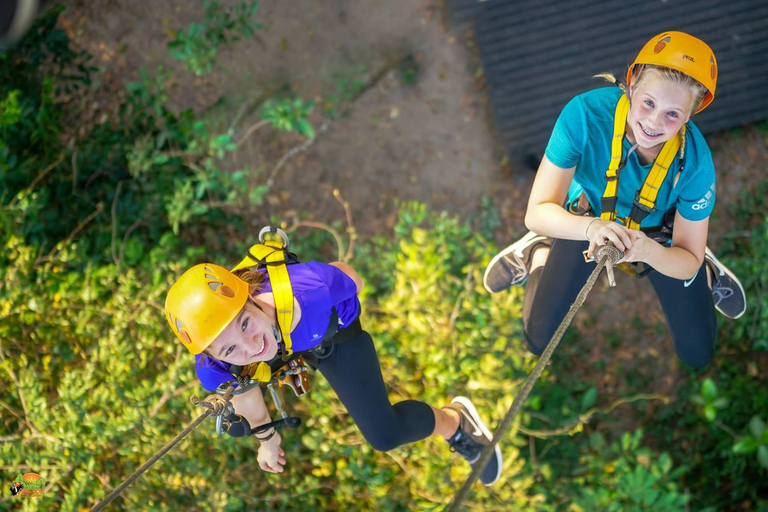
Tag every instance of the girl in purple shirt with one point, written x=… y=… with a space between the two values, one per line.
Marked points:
x=229 y=319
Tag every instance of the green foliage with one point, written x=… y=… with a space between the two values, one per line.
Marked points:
x=289 y=115
x=752 y=268
x=628 y=478
x=409 y=70
x=10 y=111
x=198 y=45
x=349 y=85
x=94 y=227
x=758 y=442
x=708 y=400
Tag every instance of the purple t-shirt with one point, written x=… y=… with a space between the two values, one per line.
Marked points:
x=318 y=287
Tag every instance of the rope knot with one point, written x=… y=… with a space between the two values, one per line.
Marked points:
x=216 y=403
x=610 y=251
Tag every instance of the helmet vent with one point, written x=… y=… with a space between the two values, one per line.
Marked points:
x=185 y=337
x=222 y=289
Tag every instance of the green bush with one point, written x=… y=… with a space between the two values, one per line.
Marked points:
x=199 y=44
x=95 y=224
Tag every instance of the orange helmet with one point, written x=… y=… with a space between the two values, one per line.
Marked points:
x=684 y=53
x=202 y=302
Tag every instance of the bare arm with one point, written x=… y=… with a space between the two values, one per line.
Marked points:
x=546 y=216
x=251 y=406
x=684 y=258
x=351 y=273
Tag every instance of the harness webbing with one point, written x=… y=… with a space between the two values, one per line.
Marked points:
x=273 y=255
x=645 y=199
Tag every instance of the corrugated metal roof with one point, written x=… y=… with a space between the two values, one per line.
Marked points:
x=537 y=55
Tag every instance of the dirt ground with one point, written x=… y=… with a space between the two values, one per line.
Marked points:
x=426 y=141
x=431 y=140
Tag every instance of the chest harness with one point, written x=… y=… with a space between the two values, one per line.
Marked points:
x=644 y=202
x=288 y=368
x=645 y=198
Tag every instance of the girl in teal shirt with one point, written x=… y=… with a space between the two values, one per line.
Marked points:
x=570 y=211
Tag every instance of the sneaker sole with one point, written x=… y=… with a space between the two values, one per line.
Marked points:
x=487 y=433
x=733 y=278
x=509 y=250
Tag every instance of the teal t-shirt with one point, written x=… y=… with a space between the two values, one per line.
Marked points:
x=582 y=138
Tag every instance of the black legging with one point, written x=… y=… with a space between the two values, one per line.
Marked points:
x=689 y=310
x=354 y=373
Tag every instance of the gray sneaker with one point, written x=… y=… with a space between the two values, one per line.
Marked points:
x=510 y=267
x=727 y=291
x=471 y=437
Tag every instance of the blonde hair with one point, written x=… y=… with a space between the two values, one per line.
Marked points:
x=698 y=91
x=254 y=279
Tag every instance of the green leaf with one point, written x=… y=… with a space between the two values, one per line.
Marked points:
x=650 y=497
x=626 y=440
x=589 y=398
x=698 y=400
x=762 y=456
x=744 y=446
x=720 y=402
x=708 y=390
x=665 y=463
x=756 y=426
x=306 y=128
x=710 y=413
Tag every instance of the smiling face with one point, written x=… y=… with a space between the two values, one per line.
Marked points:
x=659 y=109
x=247 y=339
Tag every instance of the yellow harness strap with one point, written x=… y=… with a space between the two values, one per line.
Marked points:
x=645 y=200
x=272 y=254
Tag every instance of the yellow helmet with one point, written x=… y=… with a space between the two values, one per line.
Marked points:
x=684 y=53
x=202 y=302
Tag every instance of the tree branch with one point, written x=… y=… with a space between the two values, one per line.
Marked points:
x=583 y=419
x=37 y=179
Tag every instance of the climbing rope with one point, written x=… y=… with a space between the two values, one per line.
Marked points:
x=606 y=256
x=214 y=405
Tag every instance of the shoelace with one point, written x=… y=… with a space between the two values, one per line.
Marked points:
x=520 y=272
x=720 y=292
x=465 y=446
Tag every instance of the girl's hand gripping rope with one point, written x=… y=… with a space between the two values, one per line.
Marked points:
x=612 y=255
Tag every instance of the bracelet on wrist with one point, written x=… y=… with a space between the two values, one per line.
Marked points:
x=586 y=231
x=265 y=439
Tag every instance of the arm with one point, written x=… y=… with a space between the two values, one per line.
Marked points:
x=251 y=406
x=351 y=273
x=546 y=216
x=684 y=258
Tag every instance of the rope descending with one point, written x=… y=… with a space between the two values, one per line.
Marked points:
x=606 y=256
x=214 y=405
